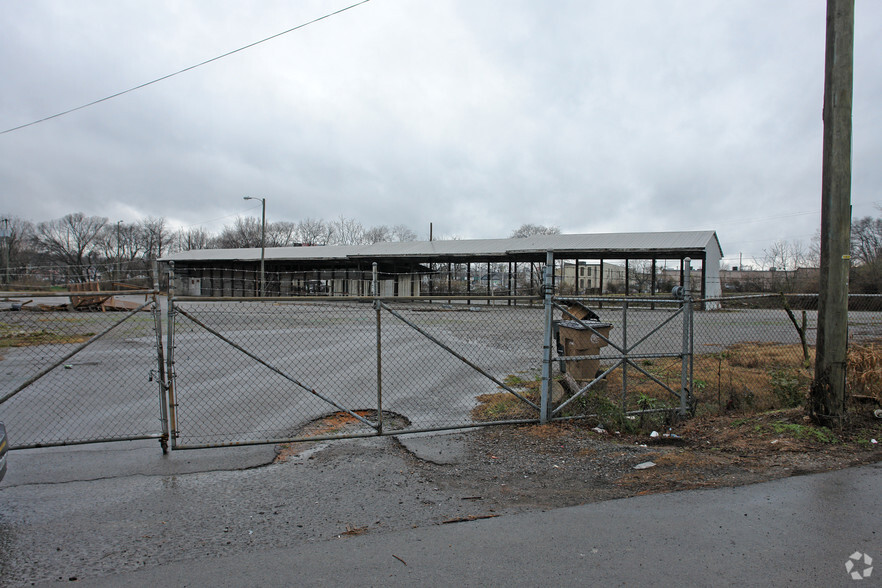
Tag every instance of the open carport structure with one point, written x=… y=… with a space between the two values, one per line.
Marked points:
x=458 y=267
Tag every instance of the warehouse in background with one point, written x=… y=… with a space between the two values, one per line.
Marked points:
x=585 y=264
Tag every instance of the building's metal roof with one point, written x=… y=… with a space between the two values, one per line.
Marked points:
x=319 y=253
x=608 y=244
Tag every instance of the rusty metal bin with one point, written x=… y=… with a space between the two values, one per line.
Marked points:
x=581 y=338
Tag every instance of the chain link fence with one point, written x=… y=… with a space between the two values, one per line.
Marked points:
x=256 y=371
x=263 y=371
x=79 y=377
x=269 y=371
x=628 y=356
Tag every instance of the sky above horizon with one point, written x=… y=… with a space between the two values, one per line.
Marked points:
x=475 y=116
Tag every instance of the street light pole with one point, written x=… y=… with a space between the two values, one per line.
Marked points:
x=5 y=237
x=262 y=241
x=118 y=258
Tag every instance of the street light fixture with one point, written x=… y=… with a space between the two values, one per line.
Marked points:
x=262 y=241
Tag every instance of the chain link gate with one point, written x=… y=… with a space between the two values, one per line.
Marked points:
x=651 y=344
x=249 y=371
x=274 y=370
x=72 y=377
x=277 y=370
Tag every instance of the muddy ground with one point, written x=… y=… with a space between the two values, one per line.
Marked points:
x=512 y=468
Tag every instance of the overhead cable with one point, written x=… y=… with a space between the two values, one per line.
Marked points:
x=186 y=69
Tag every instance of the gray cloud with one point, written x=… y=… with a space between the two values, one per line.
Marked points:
x=476 y=116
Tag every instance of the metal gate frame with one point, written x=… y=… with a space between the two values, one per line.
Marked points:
x=377 y=428
x=172 y=391
x=465 y=360
x=153 y=302
x=626 y=355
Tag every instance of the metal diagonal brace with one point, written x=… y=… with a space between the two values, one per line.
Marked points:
x=587 y=387
x=74 y=352
x=455 y=354
x=275 y=369
x=589 y=326
x=653 y=378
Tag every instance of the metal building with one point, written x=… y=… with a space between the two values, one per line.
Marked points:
x=467 y=266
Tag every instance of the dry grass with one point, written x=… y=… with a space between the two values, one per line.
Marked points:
x=504 y=406
x=747 y=377
x=10 y=338
x=865 y=369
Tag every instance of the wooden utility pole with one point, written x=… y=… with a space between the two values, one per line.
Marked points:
x=827 y=402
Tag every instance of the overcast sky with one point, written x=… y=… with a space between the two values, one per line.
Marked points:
x=475 y=115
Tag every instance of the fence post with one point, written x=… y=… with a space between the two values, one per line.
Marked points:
x=545 y=407
x=160 y=360
x=686 y=353
x=376 y=292
x=626 y=353
x=170 y=358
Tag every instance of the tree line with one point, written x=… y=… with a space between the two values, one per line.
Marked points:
x=865 y=276
x=83 y=248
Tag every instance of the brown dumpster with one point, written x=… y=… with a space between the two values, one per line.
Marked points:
x=583 y=338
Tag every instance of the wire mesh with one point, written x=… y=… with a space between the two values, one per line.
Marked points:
x=109 y=390
x=458 y=364
x=264 y=371
x=276 y=368
x=260 y=371
x=632 y=354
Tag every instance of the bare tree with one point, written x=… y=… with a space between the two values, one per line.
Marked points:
x=157 y=238
x=378 y=234
x=281 y=234
x=73 y=241
x=243 y=233
x=19 y=240
x=403 y=234
x=193 y=239
x=785 y=257
x=640 y=274
x=528 y=230
x=120 y=244
x=348 y=231
x=866 y=254
x=314 y=232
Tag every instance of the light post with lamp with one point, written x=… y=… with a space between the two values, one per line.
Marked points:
x=118 y=254
x=5 y=238
x=262 y=241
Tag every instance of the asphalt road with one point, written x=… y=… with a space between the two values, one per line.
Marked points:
x=799 y=530
x=795 y=531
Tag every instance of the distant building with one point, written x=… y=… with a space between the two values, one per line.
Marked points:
x=588 y=278
x=802 y=280
x=608 y=262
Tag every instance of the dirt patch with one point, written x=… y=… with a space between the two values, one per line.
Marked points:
x=745 y=430
x=562 y=464
x=516 y=468
x=19 y=338
x=337 y=424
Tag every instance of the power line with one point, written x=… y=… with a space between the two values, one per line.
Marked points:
x=186 y=69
